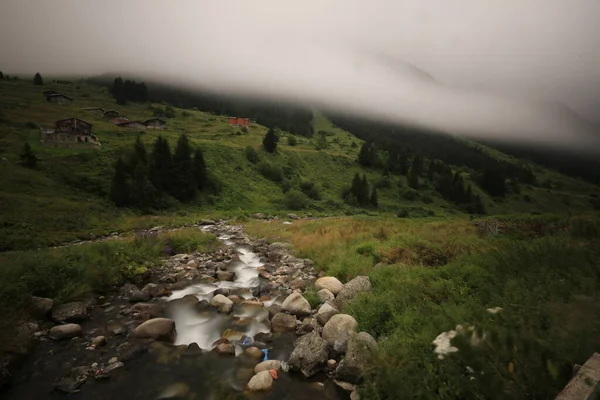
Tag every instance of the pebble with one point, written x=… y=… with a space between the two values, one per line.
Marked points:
x=113 y=360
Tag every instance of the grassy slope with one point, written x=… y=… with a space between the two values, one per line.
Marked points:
x=65 y=197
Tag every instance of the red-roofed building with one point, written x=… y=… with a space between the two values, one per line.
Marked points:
x=238 y=121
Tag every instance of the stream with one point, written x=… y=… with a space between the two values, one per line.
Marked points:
x=182 y=370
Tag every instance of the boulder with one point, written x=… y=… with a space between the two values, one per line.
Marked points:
x=267 y=365
x=98 y=341
x=223 y=304
x=354 y=395
x=296 y=304
x=231 y=334
x=359 y=350
x=254 y=353
x=262 y=381
x=128 y=351
x=115 y=327
x=360 y=284
x=292 y=216
x=40 y=307
x=325 y=295
x=225 y=276
x=258 y=215
x=162 y=329
x=225 y=348
x=67 y=331
x=310 y=354
x=152 y=310
x=282 y=322
x=330 y=283
x=325 y=312
x=206 y=222
x=274 y=310
x=70 y=312
x=338 y=328
x=307 y=326
x=113 y=366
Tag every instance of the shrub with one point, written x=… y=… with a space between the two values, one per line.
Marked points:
x=251 y=154
x=292 y=140
x=295 y=200
x=271 y=171
x=410 y=194
x=311 y=189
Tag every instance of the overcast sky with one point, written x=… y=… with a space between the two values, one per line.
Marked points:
x=478 y=67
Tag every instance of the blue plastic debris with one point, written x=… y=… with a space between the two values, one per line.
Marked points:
x=246 y=341
x=266 y=352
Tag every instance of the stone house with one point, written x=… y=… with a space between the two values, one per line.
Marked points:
x=238 y=121
x=155 y=123
x=119 y=120
x=69 y=132
x=96 y=110
x=132 y=125
x=59 y=99
x=111 y=114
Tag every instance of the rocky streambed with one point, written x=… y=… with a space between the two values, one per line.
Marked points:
x=233 y=324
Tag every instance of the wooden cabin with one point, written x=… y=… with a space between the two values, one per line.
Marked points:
x=155 y=123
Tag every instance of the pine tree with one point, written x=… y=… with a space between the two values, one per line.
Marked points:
x=322 y=142
x=28 y=157
x=118 y=91
x=1 y=76
x=413 y=178
x=270 y=141
x=142 y=191
x=199 y=168
x=374 y=200
x=161 y=165
x=140 y=154
x=367 y=155
x=184 y=187
x=37 y=79
x=363 y=194
x=417 y=165
x=119 y=191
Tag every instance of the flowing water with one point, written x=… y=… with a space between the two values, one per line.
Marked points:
x=178 y=371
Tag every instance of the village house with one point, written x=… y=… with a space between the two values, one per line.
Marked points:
x=69 y=132
x=238 y=121
x=119 y=120
x=155 y=123
x=47 y=93
x=132 y=125
x=59 y=99
x=96 y=110
x=111 y=114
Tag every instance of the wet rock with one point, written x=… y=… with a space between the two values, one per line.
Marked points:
x=274 y=310
x=70 y=312
x=69 y=385
x=296 y=304
x=347 y=386
x=223 y=291
x=252 y=304
x=79 y=371
x=330 y=283
x=258 y=215
x=178 y=390
x=193 y=349
x=297 y=284
x=267 y=365
x=354 y=395
x=280 y=246
x=254 y=353
x=262 y=381
x=113 y=366
x=325 y=312
x=151 y=310
x=225 y=276
x=260 y=290
x=115 y=327
x=308 y=325
x=282 y=322
x=207 y=222
x=179 y=285
x=292 y=216
x=40 y=307
x=235 y=299
x=98 y=341
x=359 y=350
x=338 y=328
x=223 y=304
x=113 y=360
x=265 y=337
x=162 y=329
x=128 y=351
x=310 y=354
x=225 y=348
x=360 y=284
x=231 y=334
x=67 y=331
x=202 y=305
x=325 y=295
x=158 y=291
x=331 y=364
x=207 y=279
x=138 y=296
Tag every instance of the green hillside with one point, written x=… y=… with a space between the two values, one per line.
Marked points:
x=66 y=196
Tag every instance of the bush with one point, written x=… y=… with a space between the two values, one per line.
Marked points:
x=271 y=171
x=251 y=154
x=292 y=140
x=311 y=189
x=295 y=200
x=410 y=194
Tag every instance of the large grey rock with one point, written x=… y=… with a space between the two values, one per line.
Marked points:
x=225 y=276
x=325 y=312
x=338 y=328
x=40 y=307
x=258 y=215
x=223 y=304
x=282 y=322
x=262 y=381
x=67 y=331
x=70 y=312
x=360 y=349
x=267 y=365
x=296 y=304
x=149 y=310
x=360 y=284
x=307 y=326
x=162 y=329
x=330 y=283
x=133 y=293
x=325 y=295
x=310 y=354
x=206 y=222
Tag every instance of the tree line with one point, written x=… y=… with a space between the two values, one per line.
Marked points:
x=124 y=91
x=145 y=180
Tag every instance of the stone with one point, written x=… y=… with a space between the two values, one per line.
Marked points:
x=231 y=334
x=360 y=284
x=225 y=276
x=113 y=366
x=70 y=312
x=265 y=337
x=308 y=325
x=67 y=331
x=292 y=216
x=207 y=279
x=207 y=222
x=252 y=303
x=113 y=360
x=223 y=304
x=262 y=381
x=330 y=283
x=115 y=327
x=325 y=295
x=296 y=304
x=138 y=296
x=274 y=310
x=177 y=390
x=267 y=365
x=69 y=385
x=128 y=351
x=225 y=348
x=347 y=386
x=325 y=312
x=254 y=353
x=98 y=341
x=40 y=307
x=331 y=364
x=258 y=215
x=338 y=328
x=282 y=322
x=360 y=348
x=310 y=354
x=162 y=329
x=152 y=310
x=157 y=291
x=202 y=305
x=354 y=395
